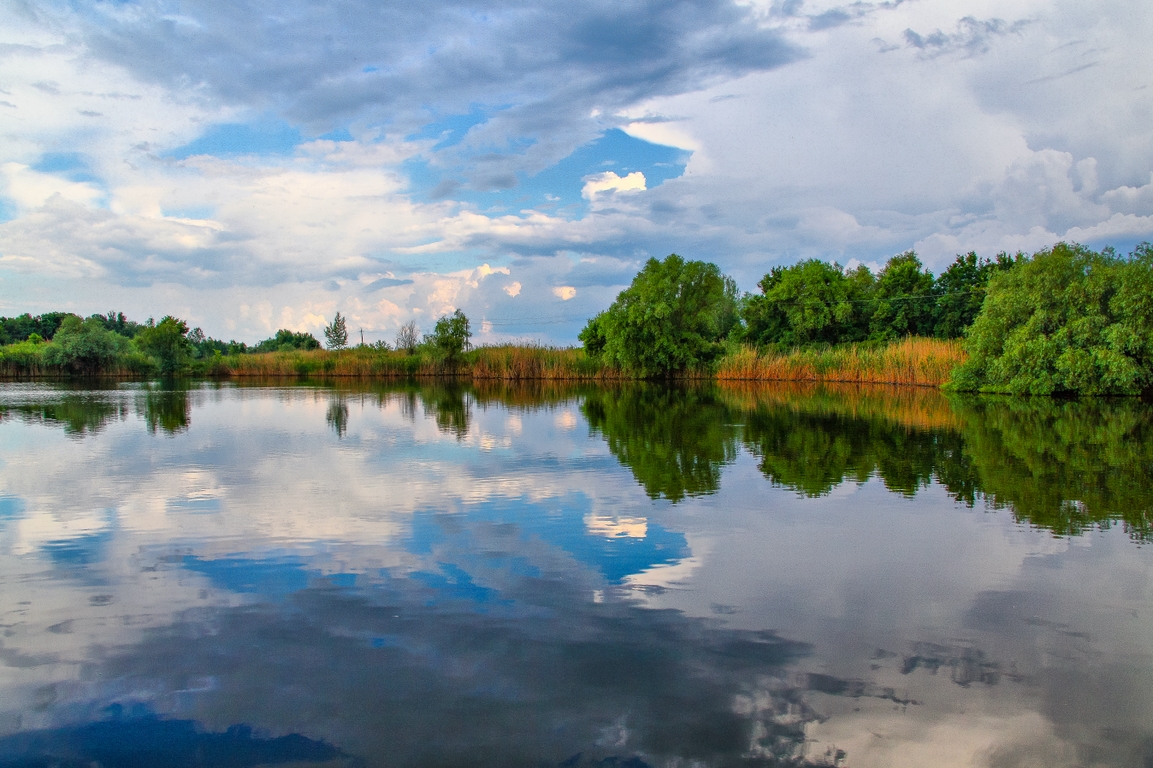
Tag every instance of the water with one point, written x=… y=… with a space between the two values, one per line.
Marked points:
x=544 y=576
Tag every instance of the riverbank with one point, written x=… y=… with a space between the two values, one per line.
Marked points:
x=910 y=362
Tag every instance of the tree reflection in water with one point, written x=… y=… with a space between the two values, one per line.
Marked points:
x=675 y=440
x=1063 y=465
x=167 y=409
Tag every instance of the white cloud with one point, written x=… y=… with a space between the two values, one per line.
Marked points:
x=564 y=292
x=30 y=189
x=610 y=182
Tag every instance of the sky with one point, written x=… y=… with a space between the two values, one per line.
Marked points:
x=250 y=166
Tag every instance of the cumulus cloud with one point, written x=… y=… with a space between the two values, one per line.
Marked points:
x=610 y=182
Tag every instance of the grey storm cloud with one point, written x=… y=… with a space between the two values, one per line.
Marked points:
x=324 y=65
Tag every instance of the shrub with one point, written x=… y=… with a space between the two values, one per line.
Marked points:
x=1068 y=320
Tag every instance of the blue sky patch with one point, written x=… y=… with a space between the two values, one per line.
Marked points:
x=261 y=138
x=11 y=507
x=556 y=189
x=71 y=165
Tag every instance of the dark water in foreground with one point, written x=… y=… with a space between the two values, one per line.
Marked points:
x=543 y=577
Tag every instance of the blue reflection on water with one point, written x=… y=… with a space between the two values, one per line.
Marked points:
x=272 y=578
x=561 y=524
x=149 y=741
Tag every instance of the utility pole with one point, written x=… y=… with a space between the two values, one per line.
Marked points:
x=362 y=337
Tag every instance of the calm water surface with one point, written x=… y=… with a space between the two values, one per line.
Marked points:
x=452 y=576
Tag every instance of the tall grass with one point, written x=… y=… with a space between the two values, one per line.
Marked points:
x=911 y=361
x=505 y=363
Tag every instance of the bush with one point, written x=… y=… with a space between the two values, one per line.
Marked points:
x=1068 y=320
x=84 y=346
x=286 y=341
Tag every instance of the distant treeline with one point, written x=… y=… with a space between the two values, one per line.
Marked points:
x=1065 y=320
x=64 y=343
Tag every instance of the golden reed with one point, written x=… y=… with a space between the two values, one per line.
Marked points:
x=911 y=362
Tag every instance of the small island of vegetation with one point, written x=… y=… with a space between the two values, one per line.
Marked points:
x=1066 y=320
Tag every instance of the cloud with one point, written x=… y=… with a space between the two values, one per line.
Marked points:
x=564 y=292
x=548 y=64
x=30 y=189
x=610 y=182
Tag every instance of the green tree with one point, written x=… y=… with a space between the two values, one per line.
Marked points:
x=961 y=288
x=167 y=342
x=14 y=329
x=336 y=334
x=1067 y=320
x=673 y=318
x=451 y=335
x=810 y=302
x=287 y=341
x=904 y=301
x=592 y=336
x=84 y=346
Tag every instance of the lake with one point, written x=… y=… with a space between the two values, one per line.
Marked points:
x=552 y=575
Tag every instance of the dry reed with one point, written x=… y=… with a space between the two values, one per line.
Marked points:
x=911 y=361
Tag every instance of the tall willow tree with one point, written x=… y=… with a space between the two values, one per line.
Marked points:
x=672 y=319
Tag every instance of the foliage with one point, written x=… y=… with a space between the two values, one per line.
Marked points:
x=672 y=319
x=814 y=302
x=336 y=333
x=593 y=337
x=287 y=341
x=118 y=323
x=810 y=302
x=904 y=301
x=167 y=342
x=16 y=329
x=961 y=291
x=1067 y=320
x=84 y=346
x=451 y=335
x=407 y=337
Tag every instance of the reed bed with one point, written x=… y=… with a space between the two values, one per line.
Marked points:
x=911 y=361
x=505 y=363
